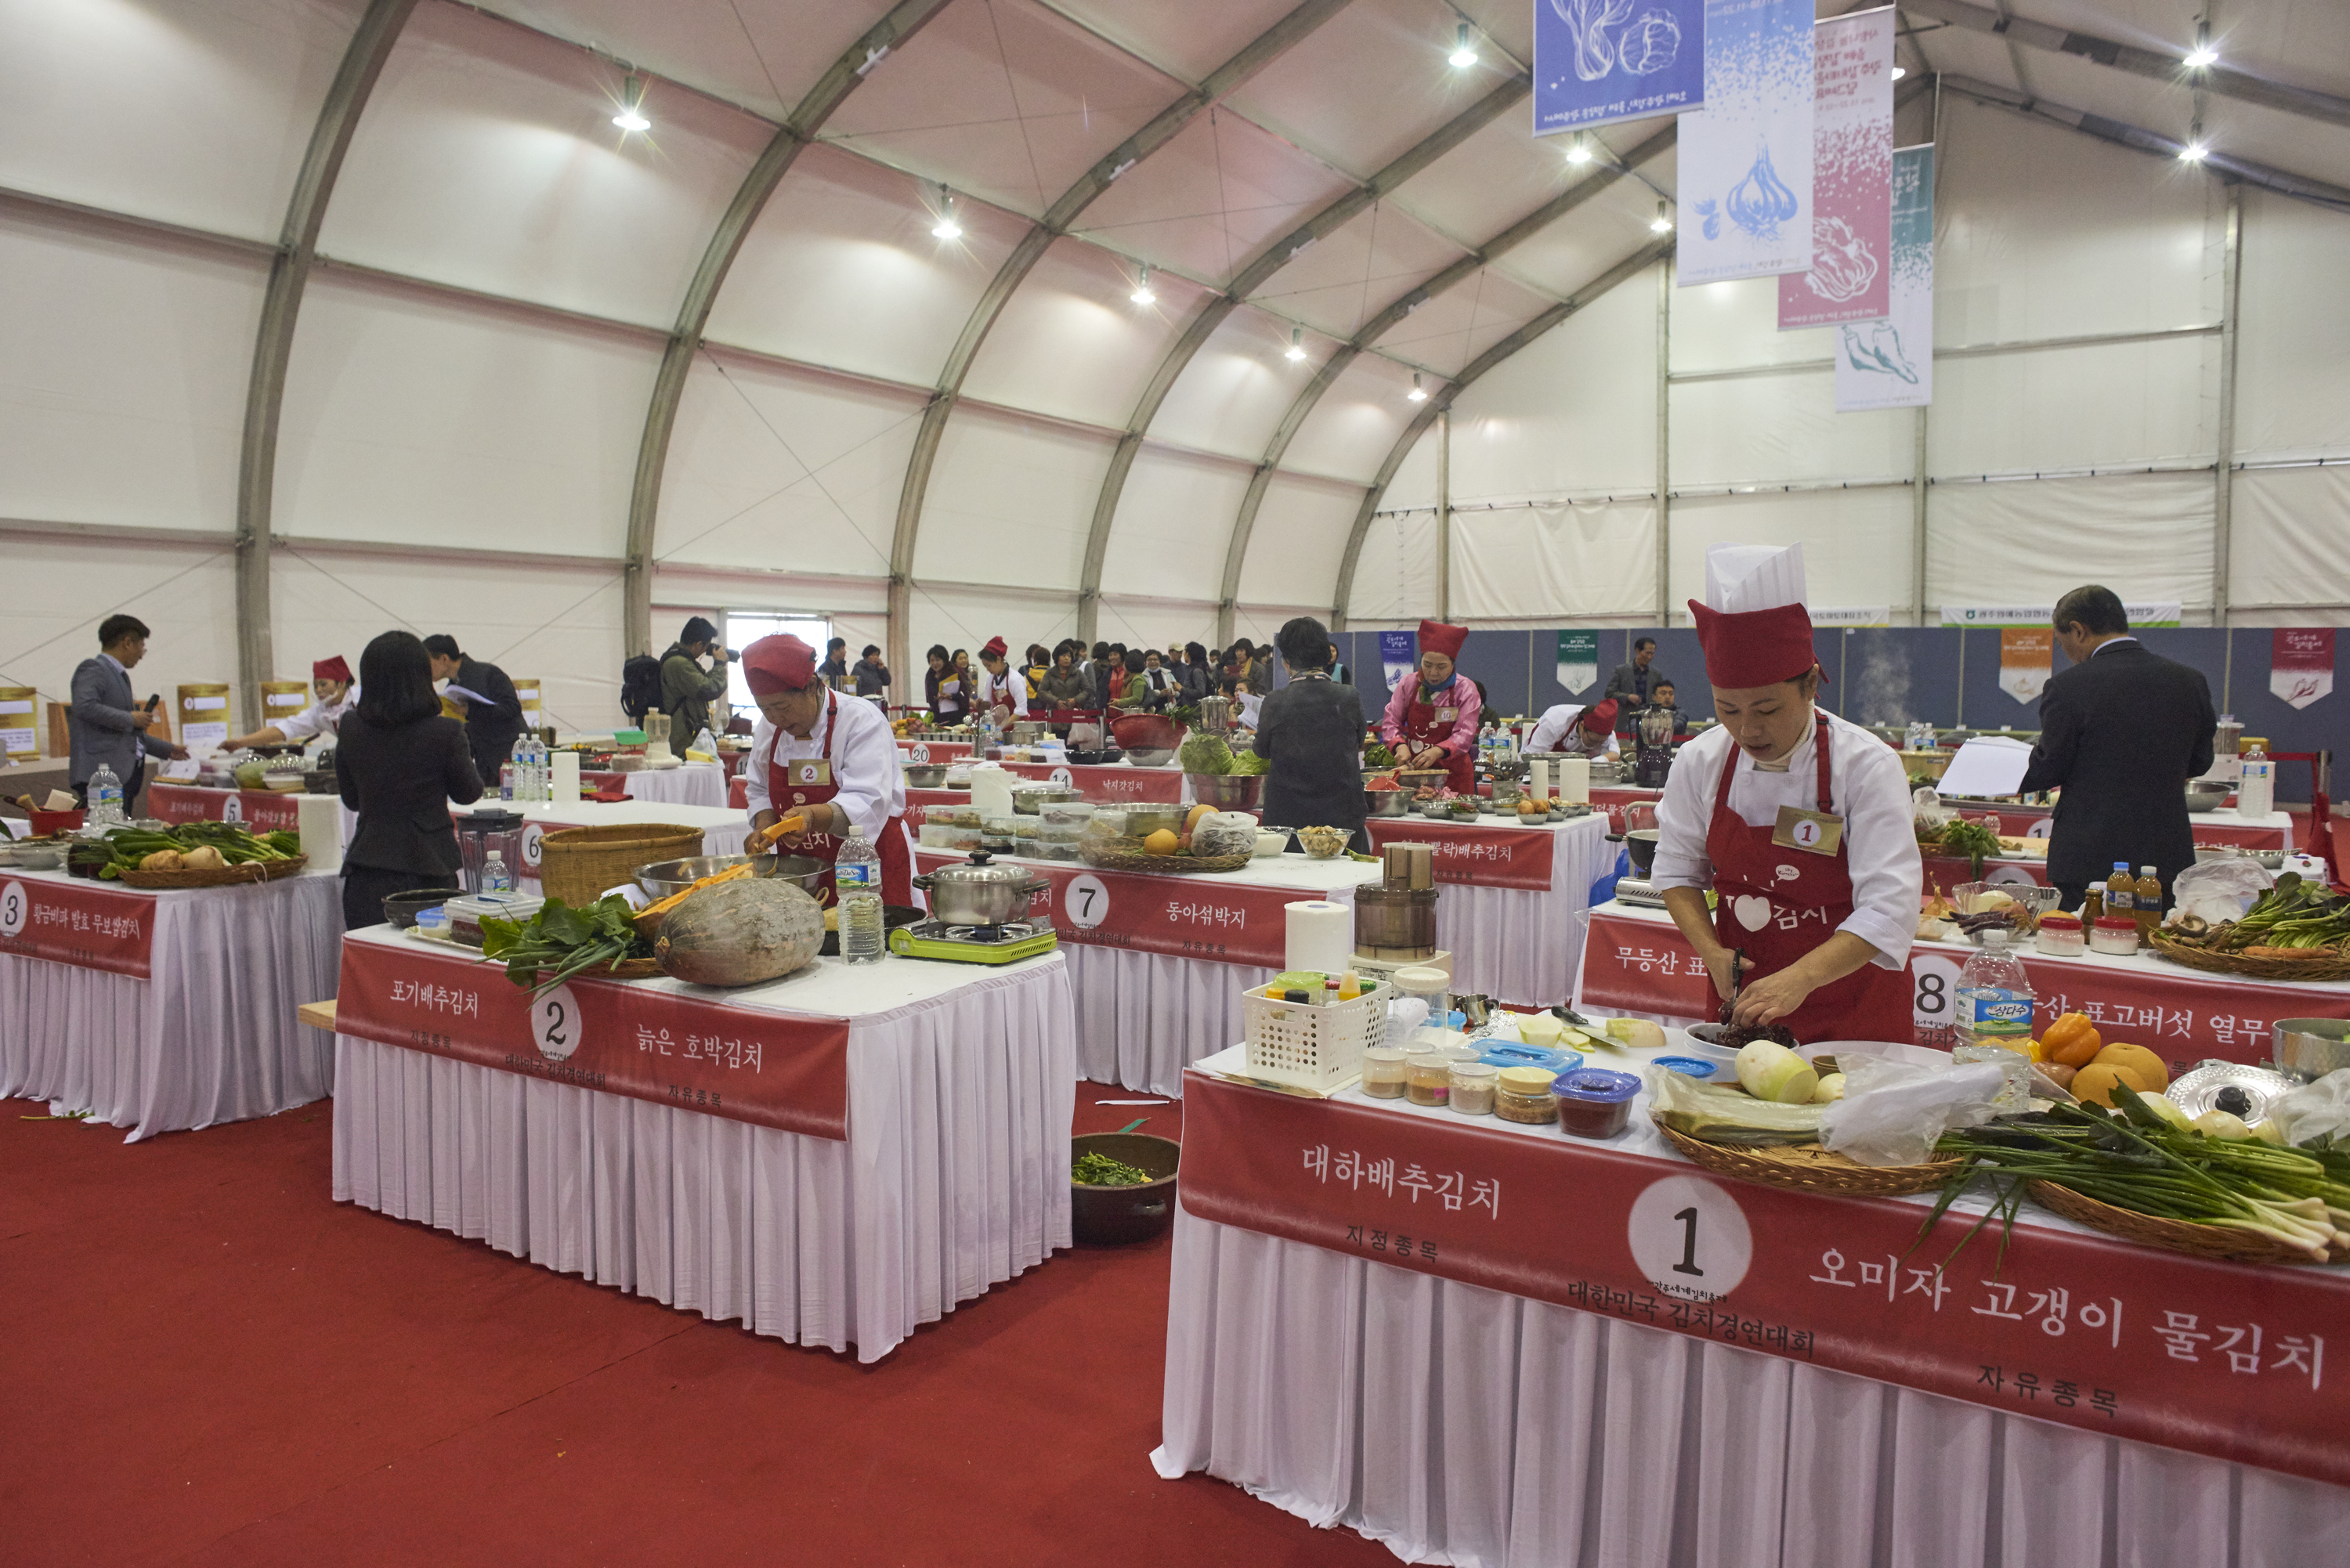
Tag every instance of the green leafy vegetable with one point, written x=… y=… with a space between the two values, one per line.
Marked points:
x=1101 y=1170
x=560 y=942
x=1977 y=841
x=1248 y=764
x=1204 y=754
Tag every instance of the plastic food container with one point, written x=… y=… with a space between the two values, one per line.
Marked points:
x=1523 y=1095
x=2116 y=935
x=2060 y=936
x=1694 y=1067
x=1594 y=1102
x=1067 y=814
x=1428 y=1080
x=1506 y=1054
x=1473 y=1087
x=465 y=914
x=1384 y=1071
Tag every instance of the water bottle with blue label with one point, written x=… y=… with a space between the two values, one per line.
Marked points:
x=1994 y=1018
x=857 y=884
x=105 y=798
x=495 y=877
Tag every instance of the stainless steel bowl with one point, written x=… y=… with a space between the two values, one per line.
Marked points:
x=925 y=776
x=981 y=893
x=1027 y=800
x=1151 y=756
x=1227 y=791
x=2205 y=797
x=2309 y=1048
x=1142 y=821
x=1387 y=803
x=667 y=877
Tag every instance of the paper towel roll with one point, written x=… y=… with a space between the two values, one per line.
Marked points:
x=1321 y=937
x=1538 y=778
x=1574 y=780
x=319 y=820
x=991 y=789
x=563 y=777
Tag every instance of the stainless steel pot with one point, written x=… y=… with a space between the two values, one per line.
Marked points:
x=981 y=893
x=1642 y=842
x=2309 y=1048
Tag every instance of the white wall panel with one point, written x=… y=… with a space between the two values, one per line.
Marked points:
x=1553 y=562
x=1301 y=532
x=1357 y=423
x=1072 y=342
x=1733 y=325
x=2102 y=407
x=487 y=157
x=773 y=592
x=1237 y=387
x=59 y=589
x=2145 y=536
x=122 y=376
x=1856 y=543
x=841 y=269
x=1173 y=519
x=2291 y=538
x=1395 y=573
x=411 y=419
x=1010 y=500
x=1780 y=428
x=198 y=114
x=773 y=468
x=2294 y=338
x=1572 y=413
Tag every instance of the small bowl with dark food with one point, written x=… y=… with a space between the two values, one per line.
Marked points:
x=1121 y=1187
x=401 y=909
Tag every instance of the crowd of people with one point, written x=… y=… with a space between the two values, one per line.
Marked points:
x=1069 y=677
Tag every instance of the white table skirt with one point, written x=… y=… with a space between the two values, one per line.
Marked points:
x=954 y=1177
x=694 y=784
x=1142 y=1017
x=210 y=1037
x=1463 y=1425
x=1522 y=946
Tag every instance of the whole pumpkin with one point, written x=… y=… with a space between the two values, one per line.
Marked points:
x=741 y=932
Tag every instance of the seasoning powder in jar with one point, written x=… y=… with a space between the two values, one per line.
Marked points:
x=1523 y=1095
x=1429 y=1079
x=1472 y=1088
x=1384 y=1071
x=2060 y=936
x=2116 y=935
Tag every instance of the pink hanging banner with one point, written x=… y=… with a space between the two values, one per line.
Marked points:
x=2301 y=664
x=1852 y=177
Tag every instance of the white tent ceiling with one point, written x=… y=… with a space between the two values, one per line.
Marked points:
x=730 y=348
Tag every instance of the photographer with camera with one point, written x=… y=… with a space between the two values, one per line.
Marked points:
x=687 y=690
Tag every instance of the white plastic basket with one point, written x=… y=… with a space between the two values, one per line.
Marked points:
x=1315 y=1045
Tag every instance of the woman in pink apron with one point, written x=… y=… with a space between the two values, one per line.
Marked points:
x=832 y=761
x=1431 y=721
x=1801 y=824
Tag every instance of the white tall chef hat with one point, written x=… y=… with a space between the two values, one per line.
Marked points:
x=1743 y=577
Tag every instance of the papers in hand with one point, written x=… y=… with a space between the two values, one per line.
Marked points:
x=472 y=698
x=1984 y=767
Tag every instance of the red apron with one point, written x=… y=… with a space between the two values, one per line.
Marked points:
x=1423 y=728
x=787 y=795
x=1799 y=899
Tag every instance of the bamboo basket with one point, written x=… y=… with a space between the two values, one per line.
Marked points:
x=1808 y=1168
x=226 y=876
x=629 y=969
x=2171 y=1235
x=1105 y=853
x=577 y=864
x=2254 y=964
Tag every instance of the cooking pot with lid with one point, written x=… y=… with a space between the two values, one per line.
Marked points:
x=981 y=893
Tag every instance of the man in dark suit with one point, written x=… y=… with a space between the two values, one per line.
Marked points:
x=2122 y=730
x=491 y=731
x=106 y=723
x=1632 y=684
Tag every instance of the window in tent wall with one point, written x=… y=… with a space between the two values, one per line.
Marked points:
x=740 y=628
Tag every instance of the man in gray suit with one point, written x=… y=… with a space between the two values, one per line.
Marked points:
x=1634 y=685
x=104 y=724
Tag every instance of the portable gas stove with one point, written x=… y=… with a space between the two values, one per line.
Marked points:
x=1639 y=892
x=1007 y=943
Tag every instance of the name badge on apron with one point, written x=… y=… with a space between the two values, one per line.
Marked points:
x=808 y=772
x=1447 y=715
x=1815 y=831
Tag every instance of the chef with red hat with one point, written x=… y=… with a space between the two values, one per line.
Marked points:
x=336 y=692
x=1799 y=822
x=1001 y=690
x=1432 y=720
x=828 y=758
x=1577 y=729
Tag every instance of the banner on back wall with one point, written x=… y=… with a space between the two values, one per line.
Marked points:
x=2301 y=664
x=2139 y=615
x=1398 y=651
x=1889 y=363
x=2026 y=657
x=1596 y=62
x=1746 y=157
x=1852 y=177
x=1578 y=660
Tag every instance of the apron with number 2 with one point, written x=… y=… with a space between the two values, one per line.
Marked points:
x=791 y=784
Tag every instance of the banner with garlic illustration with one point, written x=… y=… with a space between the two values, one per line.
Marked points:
x=1745 y=159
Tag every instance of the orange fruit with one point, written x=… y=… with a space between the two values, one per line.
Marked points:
x=1163 y=842
x=2142 y=1067
x=1191 y=821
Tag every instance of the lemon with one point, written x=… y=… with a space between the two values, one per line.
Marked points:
x=1163 y=842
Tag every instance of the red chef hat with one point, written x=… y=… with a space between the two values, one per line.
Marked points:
x=1435 y=636
x=778 y=663
x=994 y=648
x=1599 y=716
x=1754 y=647
x=331 y=669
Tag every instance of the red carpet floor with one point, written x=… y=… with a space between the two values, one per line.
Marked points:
x=208 y=1362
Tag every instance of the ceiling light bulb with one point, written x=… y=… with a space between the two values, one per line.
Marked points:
x=1580 y=150
x=2193 y=153
x=1419 y=394
x=2203 y=57
x=1296 y=350
x=1142 y=295
x=1464 y=53
x=632 y=102
x=1664 y=224
x=1900 y=71
x=946 y=228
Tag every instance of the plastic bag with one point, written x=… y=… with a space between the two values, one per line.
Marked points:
x=1893 y=1112
x=2220 y=890
x=2315 y=1110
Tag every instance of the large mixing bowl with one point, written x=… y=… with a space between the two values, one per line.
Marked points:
x=1387 y=803
x=925 y=776
x=2205 y=797
x=2309 y=1048
x=1151 y=756
x=1113 y=1216
x=1227 y=791
x=667 y=877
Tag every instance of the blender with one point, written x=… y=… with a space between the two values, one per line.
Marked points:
x=1652 y=748
x=479 y=833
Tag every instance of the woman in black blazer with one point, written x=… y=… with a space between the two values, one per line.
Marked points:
x=399 y=763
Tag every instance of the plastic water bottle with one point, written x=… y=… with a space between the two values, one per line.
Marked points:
x=105 y=798
x=1994 y=1018
x=510 y=773
x=538 y=769
x=857 y=882
x=495 y=877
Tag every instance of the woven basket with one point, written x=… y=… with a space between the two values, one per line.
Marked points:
x=226 y=876
x=2172 y=1235
x=2254 y=964
x=577 y=864
x=629 y=969
x=1107 y=854
x=1808 y=1168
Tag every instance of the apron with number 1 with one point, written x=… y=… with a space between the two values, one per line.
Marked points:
x=1426 y=724
x=793 y=784
x=1804 y=898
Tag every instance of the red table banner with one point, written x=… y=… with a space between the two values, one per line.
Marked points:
x=2222 y=1359
x=1489 y=857
x=1178 y=916
x=934 y=751
x=261 y=810
x=1108 y=784
x=2182 y=1015
x=740 y=1063
x=90 y=925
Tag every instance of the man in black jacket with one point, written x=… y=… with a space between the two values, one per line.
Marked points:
x=491 y=727
x=2122 y=730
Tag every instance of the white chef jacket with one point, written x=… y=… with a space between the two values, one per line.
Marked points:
x=1556 y=724
x=1009 y=691
x=1868 y=787
x=864 y=764
x=318 y=718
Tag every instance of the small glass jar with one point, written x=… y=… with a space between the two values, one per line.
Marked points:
x=1429 y=1078
x=1473 y=1087
x=1384 y=1071
x=2060 y=936
x=1523 y=1095
x=2116 y=936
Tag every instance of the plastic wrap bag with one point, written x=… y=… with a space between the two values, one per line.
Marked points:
x=1405 y=1014
x=1893 y=1112
x=2315 y=1110
x=2221 y=890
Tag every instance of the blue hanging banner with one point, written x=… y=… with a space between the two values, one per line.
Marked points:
x=1398 y=651
x=1599 y=61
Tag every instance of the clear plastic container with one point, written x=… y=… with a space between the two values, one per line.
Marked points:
x=2060 y=936
x=1384 y=1071
x=1473 y=1086
x=1523 y=1095
x=2116 y=936
x=1429 y=1078
x=1594 y=1102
